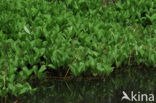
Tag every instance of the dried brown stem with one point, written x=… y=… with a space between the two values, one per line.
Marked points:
x=66 y=74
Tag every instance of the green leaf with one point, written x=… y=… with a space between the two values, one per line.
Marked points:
x=68 y=2
x=52 y=66
x=153 y=17
x=43 y=68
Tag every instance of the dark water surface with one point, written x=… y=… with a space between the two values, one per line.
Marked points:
x=108 y=90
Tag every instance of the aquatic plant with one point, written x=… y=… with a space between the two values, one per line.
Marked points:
x=80 y=36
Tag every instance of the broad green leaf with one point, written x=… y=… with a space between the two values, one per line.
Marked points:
x=43 y=68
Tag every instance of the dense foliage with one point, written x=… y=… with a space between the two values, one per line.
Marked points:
x=82 y=35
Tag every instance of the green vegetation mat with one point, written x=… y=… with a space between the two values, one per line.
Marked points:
x=72 y=37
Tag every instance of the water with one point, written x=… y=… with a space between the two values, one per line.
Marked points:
x=108 y=90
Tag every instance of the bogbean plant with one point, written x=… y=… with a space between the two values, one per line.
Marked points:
x=79 y=35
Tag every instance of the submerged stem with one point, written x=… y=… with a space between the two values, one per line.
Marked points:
x=5 y=99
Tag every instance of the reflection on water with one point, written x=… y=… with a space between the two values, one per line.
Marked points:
x=108 y=90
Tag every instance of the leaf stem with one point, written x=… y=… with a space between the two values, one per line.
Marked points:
x=66 y=74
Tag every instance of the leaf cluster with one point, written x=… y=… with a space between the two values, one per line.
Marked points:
x=82 y=35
